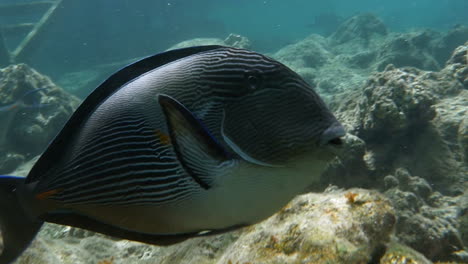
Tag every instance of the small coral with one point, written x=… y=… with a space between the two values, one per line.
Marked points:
x=106 y=261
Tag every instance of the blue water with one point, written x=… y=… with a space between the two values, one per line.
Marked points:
x=284 y=21
x=86 y=33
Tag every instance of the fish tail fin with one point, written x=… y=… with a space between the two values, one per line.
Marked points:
x=18 y=229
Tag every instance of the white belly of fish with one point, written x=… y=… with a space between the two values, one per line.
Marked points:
x=245 y=195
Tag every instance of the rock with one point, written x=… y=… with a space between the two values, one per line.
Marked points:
x=463 y=221
x=362 y=44
x=197 y=42
x=4 y=53
x=233 y=40
x=390 y=181
x=395 y=101
x=362 y=59
x=398 y=253
x=82 y=83
x=316 y=61
x=237 y=41
x=311 y=52
x=399 y=111
x=347 y=169
x=27 y=129
x=427 y=221
x=458 y=64
x=362 y=27
x=335 y=227
x=443 y=47
x=409 y=49
x=10 y=161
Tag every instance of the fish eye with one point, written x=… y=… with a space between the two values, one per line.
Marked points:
x=253 y=81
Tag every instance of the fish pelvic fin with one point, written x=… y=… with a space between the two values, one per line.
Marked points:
x=18 y=229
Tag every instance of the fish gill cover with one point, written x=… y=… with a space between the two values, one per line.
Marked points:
x=395 y=75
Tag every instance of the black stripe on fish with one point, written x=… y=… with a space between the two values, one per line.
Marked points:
x=129 y=161
x=133 y=137
x=55 y=150
x=135 y=191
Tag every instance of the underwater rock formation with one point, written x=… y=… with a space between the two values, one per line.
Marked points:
x=427 y=220
x=4 y=53
x=443 y=46
x=363 y=45
x=342 y=61
x=362 y=27
x=399 y=111
x=233 y=40
x=315 y=59
x=29 y=122
x=408 y=49
x=417 y=120
x=237 y=41
x=335 y=227
x=197 y=42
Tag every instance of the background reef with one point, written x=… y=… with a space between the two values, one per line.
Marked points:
x=397 y=194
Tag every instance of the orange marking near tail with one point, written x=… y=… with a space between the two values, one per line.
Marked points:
x=165 y=139
x=47 y=194
x=13 y=107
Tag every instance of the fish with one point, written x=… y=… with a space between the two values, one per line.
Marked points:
x=8 y=111
x=186 y=143
x=21 y=102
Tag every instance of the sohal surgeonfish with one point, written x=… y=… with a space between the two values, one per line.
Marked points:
x=186 y=143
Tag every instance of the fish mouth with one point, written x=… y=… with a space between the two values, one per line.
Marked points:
x=332 y=136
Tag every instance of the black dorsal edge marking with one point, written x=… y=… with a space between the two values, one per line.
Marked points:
x=110 y=85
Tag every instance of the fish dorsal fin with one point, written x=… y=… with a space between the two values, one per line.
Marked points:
x=107 y=88
x=198 y=151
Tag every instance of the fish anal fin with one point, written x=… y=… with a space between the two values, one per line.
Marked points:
x=68 y=217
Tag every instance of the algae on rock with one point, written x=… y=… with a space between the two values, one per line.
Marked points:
x=26 y=131
x=335 y=227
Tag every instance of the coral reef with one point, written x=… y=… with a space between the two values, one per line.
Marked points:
x=413 y=119
x=238 y=41
x=443 y=46
x=233 y=40
x=427 y=220
x=362 y=28
x=398 y=253
x=4 y=53
x=409 y=49
x=313 y=228
x=362 y=44
x=26 y=131
x=398 y=112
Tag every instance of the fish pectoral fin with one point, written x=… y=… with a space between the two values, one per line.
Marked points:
x=198 y=150
x=234 y=147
